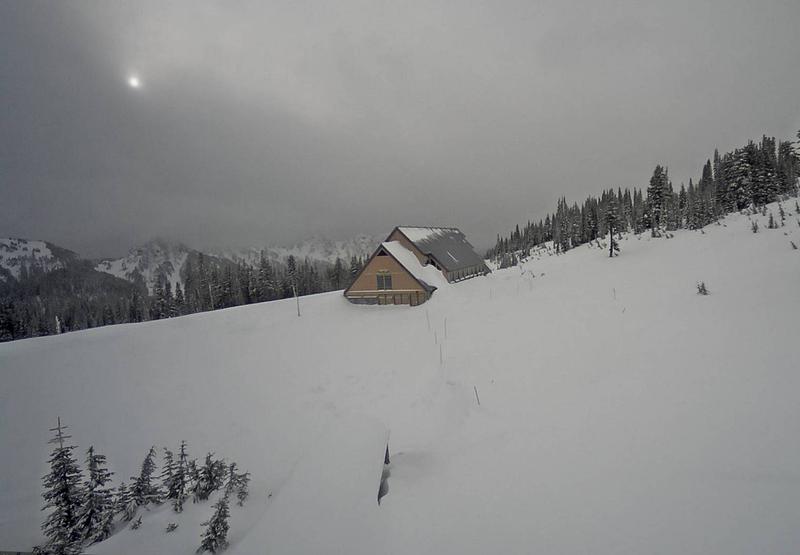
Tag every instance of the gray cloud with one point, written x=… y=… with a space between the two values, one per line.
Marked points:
x=268 y=122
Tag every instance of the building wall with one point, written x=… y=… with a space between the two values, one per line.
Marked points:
x=405 y=289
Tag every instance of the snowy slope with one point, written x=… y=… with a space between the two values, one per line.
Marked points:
x=16 y=254
x=620 y=412
x=151 y=260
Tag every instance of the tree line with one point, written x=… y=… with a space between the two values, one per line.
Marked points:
x=754 y=175
x=79 y=297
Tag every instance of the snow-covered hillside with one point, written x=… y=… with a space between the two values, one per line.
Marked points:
x=19 y=254
x=148 y=262
x=620 y=412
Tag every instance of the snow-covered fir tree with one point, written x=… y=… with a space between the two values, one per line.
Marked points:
x=63 y=496
x=179 y=485
x=612 y=218
x=143 y=490
x=215 y=535
x=96 y=519
x=237 y=483
x=210 y=478
x=656 y=197
x=167 y=472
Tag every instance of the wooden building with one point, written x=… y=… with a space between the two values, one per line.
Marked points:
x=404 y=268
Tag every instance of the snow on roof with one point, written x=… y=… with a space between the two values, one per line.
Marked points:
x=423 y=234
x=447 y=244
x=428 y=275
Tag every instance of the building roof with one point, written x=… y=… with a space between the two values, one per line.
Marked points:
x=447 y=245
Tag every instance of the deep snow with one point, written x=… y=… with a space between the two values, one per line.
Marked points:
x=620 y=411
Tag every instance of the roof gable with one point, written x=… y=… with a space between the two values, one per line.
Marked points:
x=404 y=258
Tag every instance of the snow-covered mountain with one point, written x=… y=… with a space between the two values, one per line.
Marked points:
x=572 y=404
x=148 y=262
x=316 y=249
x=162 y=257
x=20 y=255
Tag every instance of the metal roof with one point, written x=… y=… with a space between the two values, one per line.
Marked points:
x=446 y=244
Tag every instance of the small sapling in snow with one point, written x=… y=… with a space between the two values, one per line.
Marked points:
x=754 y=226
x=171 y=527
x=136 y=523
x=701 y=288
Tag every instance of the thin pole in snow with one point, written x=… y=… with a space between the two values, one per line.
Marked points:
x=297 y=299
x=428 y=317
x=435 y=339
x=441 y=358
x=475 y=387
x=445 y=329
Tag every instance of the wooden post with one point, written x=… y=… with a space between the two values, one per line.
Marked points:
x=297 y=299
x=475 y=387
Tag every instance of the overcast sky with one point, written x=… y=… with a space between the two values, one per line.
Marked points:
x=268 y=122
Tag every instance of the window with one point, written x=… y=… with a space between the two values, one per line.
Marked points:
x=384 y=280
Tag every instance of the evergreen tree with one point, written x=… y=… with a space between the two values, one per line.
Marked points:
x=656 y=199
x=237 y=483
x=210 y=477
x=215 y=536
x=63 y=495
x=96 y=519
x=143 y=490
x=167 y=472
x=180 y=302
x=612 y=217
x=266 y=280
x=123 y=503
x=179 y=485
x=355 y=267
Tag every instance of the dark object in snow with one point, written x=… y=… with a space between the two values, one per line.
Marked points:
x=136 y=523
x=793 y=245
x=171 y=527
x=754 y=226
x=701 y=288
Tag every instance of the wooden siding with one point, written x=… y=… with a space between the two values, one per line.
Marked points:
x=405 y=288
